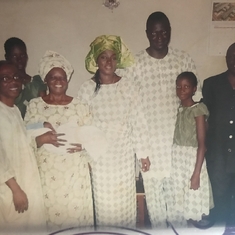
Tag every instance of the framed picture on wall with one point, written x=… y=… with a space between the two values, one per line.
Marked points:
x=223 y=11
x=222 y=25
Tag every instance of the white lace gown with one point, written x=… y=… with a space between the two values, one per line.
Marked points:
x=117 y=112
x=17 y=160
x=65 y=177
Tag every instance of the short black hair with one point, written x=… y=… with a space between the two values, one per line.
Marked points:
x=12 y=42
x=190 y=76
x=230 y=48
x=5 y=62
x=157 y=16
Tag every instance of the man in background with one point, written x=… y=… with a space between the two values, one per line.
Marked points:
x=219 y=96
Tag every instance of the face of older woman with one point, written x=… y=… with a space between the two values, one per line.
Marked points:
x=107 y=62
x=56 y=80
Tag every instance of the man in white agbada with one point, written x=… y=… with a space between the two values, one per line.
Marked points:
x=155 y=72
x=21 y=201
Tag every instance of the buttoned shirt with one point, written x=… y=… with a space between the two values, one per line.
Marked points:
x=219 y=96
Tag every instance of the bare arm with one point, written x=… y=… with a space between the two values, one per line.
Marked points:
x=50 y=137
x=19 y=197
x=201 y=136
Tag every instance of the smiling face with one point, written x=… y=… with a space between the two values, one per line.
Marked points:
x=107 y=62
x=57 y=81
x=158 y=34
x=185 y=90
x=10 y=84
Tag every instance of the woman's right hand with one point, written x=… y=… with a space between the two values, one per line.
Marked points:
x=50 y=137
x=20 y=201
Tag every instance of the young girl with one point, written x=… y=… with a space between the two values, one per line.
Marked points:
x=190 y=179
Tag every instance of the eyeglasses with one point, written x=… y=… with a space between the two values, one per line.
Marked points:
x=9 y=79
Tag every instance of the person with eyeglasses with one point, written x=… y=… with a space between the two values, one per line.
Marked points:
x=21 y=200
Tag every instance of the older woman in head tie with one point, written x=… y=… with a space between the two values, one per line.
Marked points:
x=64 y=170
x=116 y=110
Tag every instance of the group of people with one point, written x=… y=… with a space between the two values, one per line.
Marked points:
x=145 y=110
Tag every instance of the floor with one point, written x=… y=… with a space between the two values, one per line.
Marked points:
x=144 y=225
x=215 y=230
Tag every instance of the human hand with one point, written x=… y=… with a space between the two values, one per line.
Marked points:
x=77 y=148
x=50 y=137
x=195 y=181
x=145 y=164
x=48 y=125
x=20 y=201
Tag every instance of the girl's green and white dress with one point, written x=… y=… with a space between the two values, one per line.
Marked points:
x=189 y=203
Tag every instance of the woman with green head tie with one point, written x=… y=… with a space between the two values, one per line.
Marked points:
x=116 y=108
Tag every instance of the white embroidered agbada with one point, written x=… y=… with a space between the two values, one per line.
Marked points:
x=156 y=81
x=17 y=160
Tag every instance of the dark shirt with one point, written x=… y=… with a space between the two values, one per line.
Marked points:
x=219 y=97
x=31 y=90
